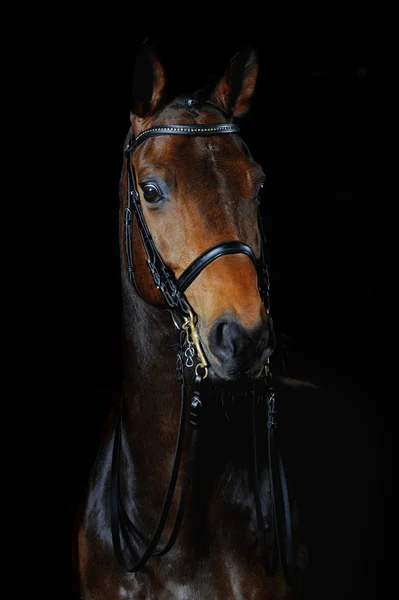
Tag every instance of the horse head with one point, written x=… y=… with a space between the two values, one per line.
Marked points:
x=195 y=192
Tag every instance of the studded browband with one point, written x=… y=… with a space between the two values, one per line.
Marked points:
x=180 y=130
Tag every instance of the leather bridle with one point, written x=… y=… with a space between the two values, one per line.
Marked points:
x=188 y=346
x=172 y=289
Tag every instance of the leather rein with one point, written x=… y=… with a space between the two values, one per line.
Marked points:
x=189 y=349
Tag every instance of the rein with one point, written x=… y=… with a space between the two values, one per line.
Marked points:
x=189 y=347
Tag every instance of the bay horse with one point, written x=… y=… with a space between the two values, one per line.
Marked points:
x=188 y=498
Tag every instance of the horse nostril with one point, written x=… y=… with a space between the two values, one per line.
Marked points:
x=219 y=333
x=228 y=340
x=221 y=339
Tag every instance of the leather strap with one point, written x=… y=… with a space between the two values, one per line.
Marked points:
x=163 y=277
x=215 y=129
x=120 y=521
x=281 y=528
x=270 y=566
x=214 y=252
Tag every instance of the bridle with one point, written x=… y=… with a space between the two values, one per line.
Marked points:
x=172 y=289
x=189 y=348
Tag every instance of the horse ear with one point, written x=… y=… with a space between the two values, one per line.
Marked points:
x=148 y=86
x=234 y=91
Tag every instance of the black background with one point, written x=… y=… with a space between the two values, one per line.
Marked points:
x=325 y=94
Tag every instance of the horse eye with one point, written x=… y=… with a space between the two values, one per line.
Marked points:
x=151 y=192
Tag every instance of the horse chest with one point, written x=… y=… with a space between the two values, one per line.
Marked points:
x=222 y=582
x=225 y=574
x=235 y=583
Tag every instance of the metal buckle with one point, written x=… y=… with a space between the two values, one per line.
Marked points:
x=192 y=338
x=271 y=403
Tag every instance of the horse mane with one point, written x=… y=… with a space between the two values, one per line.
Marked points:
x=194 y=101
x=188 y=103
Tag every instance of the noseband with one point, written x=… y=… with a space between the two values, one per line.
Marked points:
x=188 y=342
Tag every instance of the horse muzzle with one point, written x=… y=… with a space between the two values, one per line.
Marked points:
x=236 y=352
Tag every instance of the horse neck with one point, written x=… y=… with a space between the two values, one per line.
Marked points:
x=151 y=405
x=148 y=361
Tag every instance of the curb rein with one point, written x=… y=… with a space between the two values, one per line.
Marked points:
x=189 y=347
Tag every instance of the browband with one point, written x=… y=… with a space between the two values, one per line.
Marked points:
x=180 y=130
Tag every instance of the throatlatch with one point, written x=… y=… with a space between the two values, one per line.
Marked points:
x=190 y=354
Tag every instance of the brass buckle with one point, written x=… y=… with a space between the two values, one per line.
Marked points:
x=193 y=338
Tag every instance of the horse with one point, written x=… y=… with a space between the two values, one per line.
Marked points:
x=188 y=496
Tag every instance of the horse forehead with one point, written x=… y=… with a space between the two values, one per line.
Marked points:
x=194 y=162
x=198 y=161
x=225 y=146
x=182 y=112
